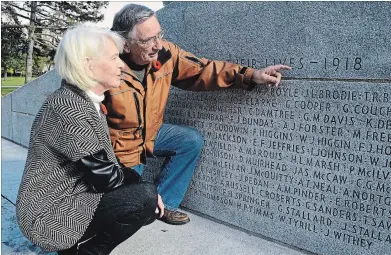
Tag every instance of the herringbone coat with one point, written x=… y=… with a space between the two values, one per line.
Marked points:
x=55 y=204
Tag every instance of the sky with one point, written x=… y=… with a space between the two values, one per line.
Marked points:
x=115 y=6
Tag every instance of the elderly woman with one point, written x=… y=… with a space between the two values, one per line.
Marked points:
x=75 y=197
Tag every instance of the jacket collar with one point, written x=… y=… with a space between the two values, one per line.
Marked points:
x=79 y=92
x=75 y=89
x=163 y=56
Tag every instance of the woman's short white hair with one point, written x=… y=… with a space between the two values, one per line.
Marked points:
x=78 y=44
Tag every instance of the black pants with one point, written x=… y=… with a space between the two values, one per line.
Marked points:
x=120 y=214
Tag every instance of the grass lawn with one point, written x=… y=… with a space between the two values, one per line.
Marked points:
x=12 y=81
x=5 y=91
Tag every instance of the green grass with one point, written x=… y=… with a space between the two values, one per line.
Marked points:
x=5 y=91
x=11 y=81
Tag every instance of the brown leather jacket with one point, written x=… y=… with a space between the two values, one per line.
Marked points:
x=135 y=113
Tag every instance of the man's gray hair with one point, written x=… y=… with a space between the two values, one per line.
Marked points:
x=131 y=14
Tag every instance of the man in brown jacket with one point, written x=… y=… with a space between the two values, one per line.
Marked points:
x=136 y=108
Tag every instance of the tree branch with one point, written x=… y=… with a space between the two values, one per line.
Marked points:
x=27 y=26
x=53 y=20
x=49 y=44
x=45 y=40
x=43 y=14
x=40 y=12
x=37 y=12
x=47 y=35
x=8 y=12
x=20 y=15
x=17 y=7
x=50 y=7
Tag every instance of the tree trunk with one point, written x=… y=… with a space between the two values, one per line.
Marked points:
x=5 y=72
x=29 y=58
x=49 y=64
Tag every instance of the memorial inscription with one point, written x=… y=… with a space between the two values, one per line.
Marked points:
x=326 y=63
x=314 y=158
x=307 y=163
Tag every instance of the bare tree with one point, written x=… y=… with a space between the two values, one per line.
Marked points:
x=46 y=22
x=30 y=49
x=12 y=42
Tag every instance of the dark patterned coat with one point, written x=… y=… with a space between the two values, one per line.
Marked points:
x=55 y=204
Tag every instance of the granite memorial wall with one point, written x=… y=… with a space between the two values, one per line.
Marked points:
x=307 y=163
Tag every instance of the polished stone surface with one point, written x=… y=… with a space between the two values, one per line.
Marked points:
x=346 y=40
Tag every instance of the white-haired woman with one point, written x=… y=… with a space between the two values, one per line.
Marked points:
x=75 y=197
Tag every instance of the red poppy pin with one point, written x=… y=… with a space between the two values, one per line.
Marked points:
x=103 y=108
x=157 y=65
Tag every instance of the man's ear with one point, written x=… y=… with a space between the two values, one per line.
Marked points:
x=127 y=47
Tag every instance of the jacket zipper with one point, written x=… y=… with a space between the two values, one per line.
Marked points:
x=142 y=130
x=138 y=110
x=144 y=152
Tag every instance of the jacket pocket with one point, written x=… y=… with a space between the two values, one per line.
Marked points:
x=124 y=109
x=126 y=140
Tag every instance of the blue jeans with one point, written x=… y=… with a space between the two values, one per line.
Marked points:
x=181 y=147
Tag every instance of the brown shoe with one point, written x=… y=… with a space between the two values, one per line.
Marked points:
x=174 y=217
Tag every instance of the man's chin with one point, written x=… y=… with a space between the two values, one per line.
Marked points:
x=153 y=57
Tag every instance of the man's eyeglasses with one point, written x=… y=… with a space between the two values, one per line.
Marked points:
x=148 y=42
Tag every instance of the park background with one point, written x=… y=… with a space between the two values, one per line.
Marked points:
x=16 y=33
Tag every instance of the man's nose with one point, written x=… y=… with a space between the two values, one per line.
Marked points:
x=157 y=44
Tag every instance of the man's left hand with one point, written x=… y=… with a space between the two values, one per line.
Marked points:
x=160 y=205
x=270 y=75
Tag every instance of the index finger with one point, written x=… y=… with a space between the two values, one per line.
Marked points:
x=282 y=67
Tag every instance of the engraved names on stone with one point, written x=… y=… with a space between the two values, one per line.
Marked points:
x=314 y=158
x=307 y=164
